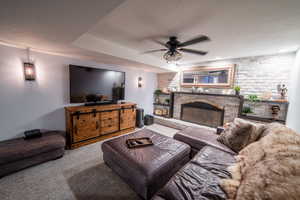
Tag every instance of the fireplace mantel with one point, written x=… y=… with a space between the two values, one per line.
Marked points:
x=209 y=94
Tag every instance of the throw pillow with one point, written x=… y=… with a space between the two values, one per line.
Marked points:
x=240 y=133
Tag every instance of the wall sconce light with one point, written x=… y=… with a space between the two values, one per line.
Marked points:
x=29 y=72
x=140 y=82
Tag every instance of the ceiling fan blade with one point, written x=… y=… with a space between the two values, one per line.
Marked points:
x=156 y=50
x=160 y=43
x=202 y=38
x=193 y=51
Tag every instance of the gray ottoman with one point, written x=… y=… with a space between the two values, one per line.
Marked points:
x=17 y=154
x=146 y=169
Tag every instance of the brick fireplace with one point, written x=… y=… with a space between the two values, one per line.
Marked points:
x=205 y=108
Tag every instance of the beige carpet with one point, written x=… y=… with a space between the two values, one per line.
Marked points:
x=81 y=174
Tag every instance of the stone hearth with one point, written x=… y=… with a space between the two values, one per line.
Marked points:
x=230 y=103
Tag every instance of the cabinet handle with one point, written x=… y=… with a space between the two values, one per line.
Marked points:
x=97 y=125
x=109 y=125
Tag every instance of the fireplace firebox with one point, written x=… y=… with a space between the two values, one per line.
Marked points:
x=203 y=113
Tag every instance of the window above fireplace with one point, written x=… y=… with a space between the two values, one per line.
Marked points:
x=215 y=77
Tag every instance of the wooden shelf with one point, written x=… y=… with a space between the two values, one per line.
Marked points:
x=263 y=119
x=161 y=104
x=163 y=94
x=165 y=116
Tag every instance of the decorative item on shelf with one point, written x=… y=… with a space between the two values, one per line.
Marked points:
x=158 y=112
x=247 y=110
x=157 y=93
x=164 y=112
x=237 y=90
x=174 y=89
x=166 y=90
x=275 y=110
x=282 y=89
x=266 y=96
x=194 y=89
x=253 y=98
x=167 y=101
x=140 y=82
x=199 y=89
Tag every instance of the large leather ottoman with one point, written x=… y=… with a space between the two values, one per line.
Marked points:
x=199 y=137
x=17 y=154
x=199 y=178
x=146 y=169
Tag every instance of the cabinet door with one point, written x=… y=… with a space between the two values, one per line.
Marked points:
x=85 y=126
x=127 y=117
x=109 y=122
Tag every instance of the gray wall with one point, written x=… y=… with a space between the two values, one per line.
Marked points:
x=294 y=96
x=40 y=104
x=255 y=75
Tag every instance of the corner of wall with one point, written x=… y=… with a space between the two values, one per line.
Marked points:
x=294 y=97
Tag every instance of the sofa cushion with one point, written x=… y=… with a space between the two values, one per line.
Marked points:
x=199 y=179
x=18 y=149
x=240 y=133
x=198 y=137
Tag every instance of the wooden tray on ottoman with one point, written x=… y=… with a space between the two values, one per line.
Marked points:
x=138 y=142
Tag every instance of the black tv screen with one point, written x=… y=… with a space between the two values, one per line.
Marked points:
x=93 y=84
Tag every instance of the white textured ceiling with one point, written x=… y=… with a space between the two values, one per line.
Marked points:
x=53 y=25
x=118 y=31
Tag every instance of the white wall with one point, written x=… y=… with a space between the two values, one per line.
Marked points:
x=294 y=96
x=255 y=75
x=40 y=104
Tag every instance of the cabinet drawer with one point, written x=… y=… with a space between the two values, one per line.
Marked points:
x=109 y=122
x=109 y=115
x=109 y=129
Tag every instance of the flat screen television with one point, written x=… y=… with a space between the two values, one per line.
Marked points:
x=94 y=85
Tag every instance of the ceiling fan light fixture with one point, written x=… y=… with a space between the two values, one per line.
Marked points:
x=172 y=56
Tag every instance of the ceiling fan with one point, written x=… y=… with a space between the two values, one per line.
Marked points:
x=173 y=48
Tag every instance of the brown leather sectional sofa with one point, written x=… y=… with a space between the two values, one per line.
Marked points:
x=200 y=177
x=166 y=171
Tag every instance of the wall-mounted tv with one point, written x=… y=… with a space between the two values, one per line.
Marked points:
x=89 y=84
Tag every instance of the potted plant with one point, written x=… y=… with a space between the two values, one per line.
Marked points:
x=247 y=110
x=237 y=90
x=167 y=101
x=157 y=93
x=253 y=98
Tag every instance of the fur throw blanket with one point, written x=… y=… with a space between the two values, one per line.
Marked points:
x=268 y=169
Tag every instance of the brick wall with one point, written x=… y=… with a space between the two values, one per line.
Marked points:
x=255 y=75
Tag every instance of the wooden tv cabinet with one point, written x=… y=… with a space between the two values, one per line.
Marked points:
x=89 y=124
